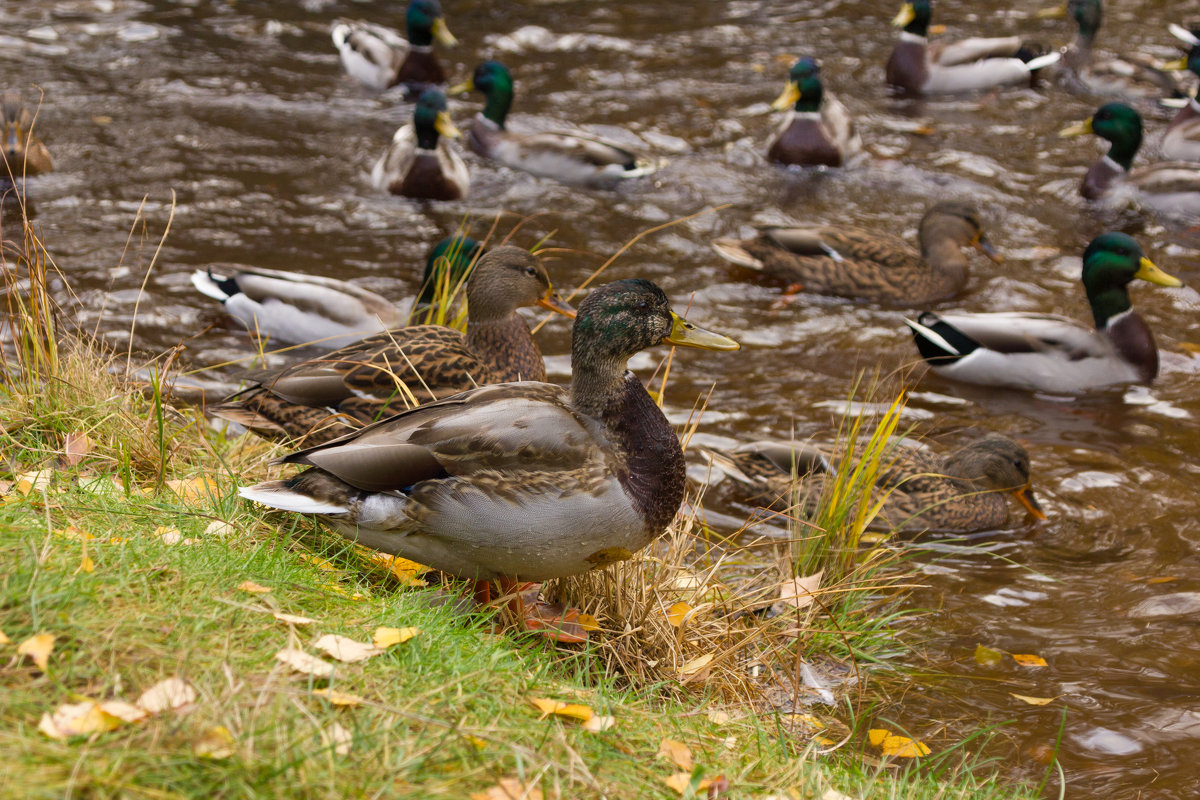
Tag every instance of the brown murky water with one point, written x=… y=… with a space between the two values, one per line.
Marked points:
x=241 y=110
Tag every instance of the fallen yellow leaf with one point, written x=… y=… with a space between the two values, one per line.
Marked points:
x=897 y=746
x=320 y=563
x=588 y=622
x=677 y=613
x=1033 y=701
x=559 y=708
x=1029 y=660
x=292 y=619
x=126 y=712
x=303 y=662
x=216 y=743
x=679 y=782
x=75 y=447
x=676 y=752
x=799 y=592
x=386 y=637
x=86 y=565
x=35 y=480
x=74 y=534
x=169 y=534
x=697 y=667
x=219 y=528
x=718 y=717
x=598 y=723
x=38 y=648
x=191 y=490
x=253 y=588
x=4 y=639
x=166 y=695
x=710 y=787
x=986 y=656
x=78 y=719
x=509 y=789
x=346 y=649
x=403 y=570
x=337 y=698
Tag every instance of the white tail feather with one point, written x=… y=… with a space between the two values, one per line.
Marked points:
x=207 y=286
x=1183 y=34
x=1034 y=64
x=932 y=336
x=733 y=252
x=276 y=495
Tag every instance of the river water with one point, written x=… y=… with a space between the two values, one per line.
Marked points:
x=236 y=115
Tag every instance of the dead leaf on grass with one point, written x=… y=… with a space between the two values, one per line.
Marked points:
x=559 y=708
x=219 y=528
x=191 y=490
x=677 y=753
x=337 y=698
x=253 y=588
x=697 y=668
x=301 y=661
x=799 y=592
x=406 y=572
x=599 y=723
x=706 y=787
x=75 y=447
x=386 y=637
x=169 y=534
x=167 y=695
x=86 y=564
x=4 y=639
x=127 y=712
x=34 y=480
x=718 y=717
x=509 y=789
x=897 y=746
x=38 y=648
x=677 y=613
x=78 y=719
x=292 y=619
x=217 y=743
x=338 y=737
x=346 y=649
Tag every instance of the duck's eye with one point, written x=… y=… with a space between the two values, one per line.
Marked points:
x=530 y=271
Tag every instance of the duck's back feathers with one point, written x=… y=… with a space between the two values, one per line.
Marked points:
x=574 y=158
x=1181 y=141
x=371 y=54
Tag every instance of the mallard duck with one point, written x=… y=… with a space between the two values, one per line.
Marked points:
x=1170 y=186
x=446 y=270
x=851 y=262
x=322 y=398
x=1048 y=353
x=818 y=130
x=1182 y=138
x=518 y=480
x=1132 y=77
x=960 y=492
x=420 y=165
x=381 y=58
x=568 y=157
x=918 y=67
x=294 y=308
x=24 y=154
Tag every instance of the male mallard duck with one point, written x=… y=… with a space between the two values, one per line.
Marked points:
x=1049 y=353
x=1132 y=77
x=1182 y=137
x=1170 y=186
x=568 y=157
x=295 y=308
x=518 y=480
x=24 y=154
x=851 y=262
x=418 y=164
x=959 y=492
x=381 y=58
x=818 y=130
x=322 y=398
x=917 y=67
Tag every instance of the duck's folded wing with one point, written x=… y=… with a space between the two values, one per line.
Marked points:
x=965 y=51
x=575 y=146
x=1014 y=333
x=1168 y=177
x=843 y=243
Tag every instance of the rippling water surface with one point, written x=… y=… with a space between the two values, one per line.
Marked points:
x=237 y=116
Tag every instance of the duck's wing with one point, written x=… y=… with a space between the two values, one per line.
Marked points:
x=1167 y=177
x=966 y=51
x=371 y=54
x=396 y=161
x=837 y=120
x=568 y=156
x=844 y=243
x=1132 y=75
x=1182 y=140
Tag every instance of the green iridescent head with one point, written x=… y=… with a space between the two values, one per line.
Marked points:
x=447 y=266
x=424 y=23
x=804 y=90
x=493 y=80
x=914 y=17
x=1119 y=124
x=1110 y=262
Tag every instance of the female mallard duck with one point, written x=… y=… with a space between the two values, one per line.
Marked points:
x=960 y=492
x=295 y=308
x=1182 y=138
x=1132 y=77
x=322 y=398
x=1169 y=186
x=519 y=480
x=381 y=58
x=568 y=157
x=818 y=130
x=917 y=67
x=850 y=262
x=24 y=154
x=1049 y=353
x=420 y=165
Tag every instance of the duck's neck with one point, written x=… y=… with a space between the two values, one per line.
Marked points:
x=653 y=470
x=507 y=347
x=1124 y=149
x=1108 y=303
x=810 y=101
x=427 y=135
x=946 y=262
x=499 y=100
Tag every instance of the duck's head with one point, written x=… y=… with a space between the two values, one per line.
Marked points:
x=623 y=318
x=958 y=222
x=1087 y=15
x=447 y=265
x=914 y=17
x=16 y=127
x=997 y=463
x=493 y=80
x=425 y=22
x=508 y=278
x=804 y=90
x=1189 y=62
x=431 y=119
x=1118 y=124
x=1110 y=262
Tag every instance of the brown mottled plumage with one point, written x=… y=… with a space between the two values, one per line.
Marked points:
x=23 y=153
x=323 y=398
x=960 y=492
x=851 y=262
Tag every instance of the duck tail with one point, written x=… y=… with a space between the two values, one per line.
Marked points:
x=218 y=287
x=281 y=495
x=732 y=251
x=938 y=341
x=1034 y=64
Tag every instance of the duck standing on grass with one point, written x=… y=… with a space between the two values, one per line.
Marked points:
x=1049 y=353
x=419 y=163
x=818 y=130
x=917 y=67
x=380 y=58
x=570 y=157
x=527 y=480
x=320 y=399
x=24 y=154
x=960 y=492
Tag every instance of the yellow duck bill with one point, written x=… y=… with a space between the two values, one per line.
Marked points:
x=686 y=334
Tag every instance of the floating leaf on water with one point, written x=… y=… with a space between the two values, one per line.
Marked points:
x=303 y=662
x=216 y=743
x=677 y=753
x=292 y=619
x=987 y=656
x=559 y=708
x=1034 y=701
x=37 y=648
x=337 y=698
x=677 y=613
x=166 y=695
x=346 y=649
x=509 y=789
x=253 y=588
x=1026 y=660
x=386 y=637
x=897 y=746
